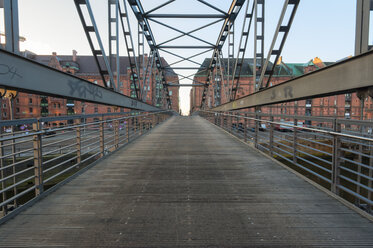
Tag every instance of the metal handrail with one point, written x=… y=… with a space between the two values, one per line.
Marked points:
x=27 y=171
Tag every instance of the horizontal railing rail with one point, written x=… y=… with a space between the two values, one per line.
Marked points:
x=335 y=153
x=33 y=161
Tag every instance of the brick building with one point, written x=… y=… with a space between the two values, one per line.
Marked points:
x=342 y=106
x=26 y=105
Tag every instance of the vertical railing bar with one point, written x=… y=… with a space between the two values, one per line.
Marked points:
x=295 y=141
x=38 y=158
x=4 y=209
x=102 y=137
x=335 y=158
x=78 y=143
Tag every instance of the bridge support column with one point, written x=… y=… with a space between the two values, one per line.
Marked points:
x=335 y=158
x=38 y=159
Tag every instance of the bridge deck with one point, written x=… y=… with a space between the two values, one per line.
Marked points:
x=187 y=184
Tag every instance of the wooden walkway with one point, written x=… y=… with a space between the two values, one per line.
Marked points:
x=187 y=184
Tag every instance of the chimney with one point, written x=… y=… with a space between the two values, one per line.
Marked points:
x=74 y=55
x=54 y=54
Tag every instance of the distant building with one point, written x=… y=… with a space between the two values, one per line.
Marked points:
x=342 y=106
x=26 y=105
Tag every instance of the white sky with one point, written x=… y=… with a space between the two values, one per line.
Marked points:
x=323 y=28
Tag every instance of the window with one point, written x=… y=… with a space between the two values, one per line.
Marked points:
x=30 y=109
x=30 y=100
x=4 y=114
x=4 y=105
x=17 y=110
x=17 y=100
x=170 y=93
x=96 y=110
x=54 y=105
x=59 y=105
x=109 y=110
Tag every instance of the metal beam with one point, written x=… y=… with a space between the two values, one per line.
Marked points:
x=343 y=77
x=185 y=47
x=185 y=16
x=363 y=8
x=185 y=85
x=19 y=73
x=139 y=12
x=213 y=7
x=190 y=32
x=182 y=32
x=183 y=68
x=159 y=7
x=224 y=32
x=11 y=25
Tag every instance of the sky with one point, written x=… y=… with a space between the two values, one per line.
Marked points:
x=321 y=28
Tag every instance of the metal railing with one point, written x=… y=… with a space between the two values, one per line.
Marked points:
x=335 y=153
x=33 y=161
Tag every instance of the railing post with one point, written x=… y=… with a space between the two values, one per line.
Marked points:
x=256 y=130
x=370 y=194
x=78 y=142
x=295 y=142
x=141 y=125
x=116 y=134
x=135 y=122
x=237 y=126
x=38 y=158
x=221 y=120
x=102 y=138
x=153 y=120
x=14 y=160
x=335 y=158
x=128 y=130
x=271 y=133
x=230 y=128
x=4 y=209
x=245 y=128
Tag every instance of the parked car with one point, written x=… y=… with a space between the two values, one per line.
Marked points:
x=287 y=126
x=49 y=131
x=262 y=127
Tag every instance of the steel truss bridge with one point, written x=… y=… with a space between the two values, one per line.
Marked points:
x=229 y=175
